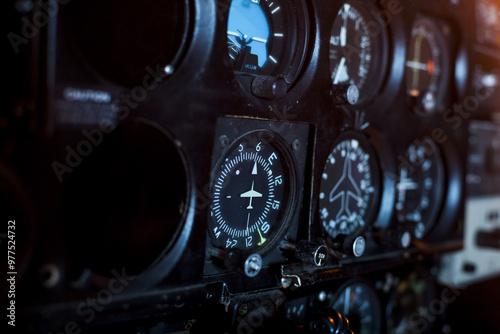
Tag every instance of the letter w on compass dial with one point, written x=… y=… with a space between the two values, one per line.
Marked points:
x=349 y=187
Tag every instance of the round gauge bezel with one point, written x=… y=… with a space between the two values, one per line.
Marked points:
x=375 y=80
x=376 y=180
x=298 y=41
x=91 y=49
x=438 y=80
x=375 y=301
x=405 y=286
x=278 y=228
x=169 y=250
x=438 y=191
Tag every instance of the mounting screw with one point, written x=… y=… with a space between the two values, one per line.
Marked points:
x=253 y=265
x=243 y=309
x=223 y=141
x=209 y=295
x=295 y=145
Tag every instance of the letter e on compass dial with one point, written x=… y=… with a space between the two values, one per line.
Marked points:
x=350 y=184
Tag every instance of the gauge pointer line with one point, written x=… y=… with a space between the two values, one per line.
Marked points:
x=341 y=72
x=405 y=184
x=347 y=301
x=416 y=65
x=343 y=37
x=343 y=28
x=248 y=220
x=416 y=60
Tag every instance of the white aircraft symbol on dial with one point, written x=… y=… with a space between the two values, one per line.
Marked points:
x=251 y=194
x=351 y=190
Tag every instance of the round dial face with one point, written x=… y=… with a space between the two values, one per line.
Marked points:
x=266 y=37
x=419 y=187
x=405 y=313
x=359 y=303
x=252 y=191
x=358 y=50
x=349 y=186
x=424 y=66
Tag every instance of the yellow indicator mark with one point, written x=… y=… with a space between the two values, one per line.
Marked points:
x=262 y=239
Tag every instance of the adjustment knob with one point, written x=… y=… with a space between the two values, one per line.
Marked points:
x=345 y=94
x=399 y=238
x=353 y=245
x=307 y=251
x=269 y=87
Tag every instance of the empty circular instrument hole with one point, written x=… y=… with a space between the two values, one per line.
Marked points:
x=121 y=40
x=127 y=200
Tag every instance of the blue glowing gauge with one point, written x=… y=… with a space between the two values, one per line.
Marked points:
x=248 y=30
x=267 y=39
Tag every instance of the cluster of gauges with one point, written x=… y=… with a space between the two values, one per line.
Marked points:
x=267 y=45
x=404 y=302
x=351 y=189
x=253 y=185
x=408 y=304
x=254 y=192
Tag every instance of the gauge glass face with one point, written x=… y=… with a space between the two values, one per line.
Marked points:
x=349 y=187
x=360 y=304
x=424 y=66
x=358 y=50
x=252 y=191
x=419 y=188
x=266 y=37
x=405 y=311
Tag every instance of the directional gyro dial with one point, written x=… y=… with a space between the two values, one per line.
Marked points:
x=252 y=193
x=349 y=187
